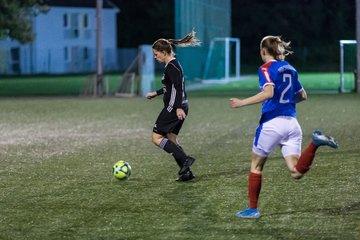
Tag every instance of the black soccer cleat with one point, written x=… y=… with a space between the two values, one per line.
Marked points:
x=185 y=177
x=188 y=162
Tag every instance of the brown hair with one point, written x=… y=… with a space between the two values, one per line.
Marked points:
x=166 y=45
x=276 y=47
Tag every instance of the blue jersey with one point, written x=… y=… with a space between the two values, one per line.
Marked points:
x=286 y=84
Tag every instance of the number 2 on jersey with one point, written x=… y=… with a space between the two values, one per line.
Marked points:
x=286 y=78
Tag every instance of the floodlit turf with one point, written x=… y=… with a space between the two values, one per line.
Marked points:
x=56 y=182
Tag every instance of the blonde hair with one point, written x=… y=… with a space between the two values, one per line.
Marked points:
x=165 y=45
x=276 y=47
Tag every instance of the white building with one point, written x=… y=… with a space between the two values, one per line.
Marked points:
x=65 y=41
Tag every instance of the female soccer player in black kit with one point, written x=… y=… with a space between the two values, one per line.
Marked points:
x=172 y=116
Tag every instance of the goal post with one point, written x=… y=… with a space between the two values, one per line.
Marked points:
x=347 y=65
x=222 y=61
x=132 y=85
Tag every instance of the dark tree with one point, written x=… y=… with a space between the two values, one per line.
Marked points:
x=142 y=22
x=313 y=26
x=15 y=16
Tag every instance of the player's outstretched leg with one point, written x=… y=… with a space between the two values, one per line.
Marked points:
x=307 y=157
x=320 y=139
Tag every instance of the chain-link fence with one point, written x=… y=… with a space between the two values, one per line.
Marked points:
x=25 y=60
x=210 y=19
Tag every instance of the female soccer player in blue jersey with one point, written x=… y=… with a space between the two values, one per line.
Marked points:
x=172 y=116
x=280 y=90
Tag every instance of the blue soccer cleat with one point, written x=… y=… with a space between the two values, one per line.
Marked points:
x=320 y=139
x=248 y=213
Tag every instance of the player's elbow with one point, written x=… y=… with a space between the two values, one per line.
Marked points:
x=304 y=95
x=301 y=96
x=268 y=94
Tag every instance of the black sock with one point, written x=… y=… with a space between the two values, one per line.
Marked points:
x=179 y=162
x=174 y=150
x=179 y=146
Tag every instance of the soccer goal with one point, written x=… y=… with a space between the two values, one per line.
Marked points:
x=132 y=85
x=347 y=65
x=223 y=61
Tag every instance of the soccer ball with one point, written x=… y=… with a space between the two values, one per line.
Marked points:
x=121 y=170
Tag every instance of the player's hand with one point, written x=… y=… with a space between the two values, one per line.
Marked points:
x=180 y=114
x=235 y=103
x=150 y=95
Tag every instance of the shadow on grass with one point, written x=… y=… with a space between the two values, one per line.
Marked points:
x=224 y=174
x=354 y=207
x=334 y=211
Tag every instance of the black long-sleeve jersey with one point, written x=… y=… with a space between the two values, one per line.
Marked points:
x=173 y=86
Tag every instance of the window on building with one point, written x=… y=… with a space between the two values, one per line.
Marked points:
x=85 y=31
x=15 y=59
x=86 y=53
x=66 y=54
x=65 y=21
x=74 y=25
x=85 y=21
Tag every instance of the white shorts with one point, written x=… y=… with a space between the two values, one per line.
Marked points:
x=283 y=131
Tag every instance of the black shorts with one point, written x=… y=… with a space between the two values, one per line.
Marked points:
x=168 y=122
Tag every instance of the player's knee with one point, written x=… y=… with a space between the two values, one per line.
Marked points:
x=156 y=139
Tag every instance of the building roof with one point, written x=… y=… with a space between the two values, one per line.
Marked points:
x=80 y=3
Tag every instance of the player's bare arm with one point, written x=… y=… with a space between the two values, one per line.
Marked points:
x=151 y=95
x=260 y=97
x=300 y=96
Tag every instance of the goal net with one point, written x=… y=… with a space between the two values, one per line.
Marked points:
x=347 y=65
x=223 y=61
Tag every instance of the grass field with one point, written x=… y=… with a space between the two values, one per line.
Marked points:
x=56 y=182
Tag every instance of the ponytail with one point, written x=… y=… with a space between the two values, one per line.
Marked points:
x=189 y=40
x=276 y=47
x=165 y=45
